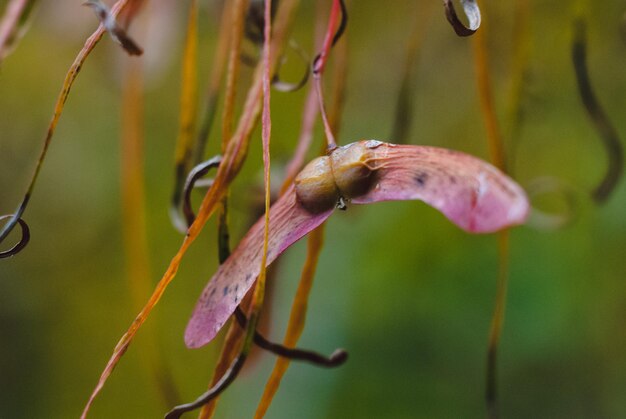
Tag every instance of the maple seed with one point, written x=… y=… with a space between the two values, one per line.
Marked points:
x=345 y=174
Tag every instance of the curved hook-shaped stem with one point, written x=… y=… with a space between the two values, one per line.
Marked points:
x=211 y=393
x=21 y=244
x=194 y=175
x=337 y=358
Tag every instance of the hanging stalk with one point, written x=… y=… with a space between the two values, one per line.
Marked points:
x=297 y=318
x=258 y=295
x=336 y=25
x=309 y=113
x=498 y=159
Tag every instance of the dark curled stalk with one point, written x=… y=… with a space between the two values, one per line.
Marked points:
x=23 y=240
x=598 y=116
x=336 y=359
x=196 y=173
x=471 y=11
x=213 y=392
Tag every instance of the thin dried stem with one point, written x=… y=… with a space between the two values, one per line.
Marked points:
x=258 y=295
x=309 y=114
x=333 y=32
x=296 y=318
x=496 y=151
x=70 y=77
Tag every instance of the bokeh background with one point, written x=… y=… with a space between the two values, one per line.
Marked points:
x=404 y=291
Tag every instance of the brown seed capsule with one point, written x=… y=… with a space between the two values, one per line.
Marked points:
x=315 y=187
x=346 y=173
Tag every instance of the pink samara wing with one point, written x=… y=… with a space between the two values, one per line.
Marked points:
x=471 y=193
x=288 y=223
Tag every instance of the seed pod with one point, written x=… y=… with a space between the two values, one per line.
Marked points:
x=346 y=173
x=315 y=186
x=352 y=170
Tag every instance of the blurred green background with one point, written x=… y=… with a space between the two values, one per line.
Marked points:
x=404 y=291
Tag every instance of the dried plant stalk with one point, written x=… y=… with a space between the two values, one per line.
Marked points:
x=296 y=318
x=498 y=158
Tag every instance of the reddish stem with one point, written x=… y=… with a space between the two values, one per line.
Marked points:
x=318 y=68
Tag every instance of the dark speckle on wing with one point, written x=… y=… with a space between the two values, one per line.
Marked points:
x=421 y=178
x=225 y=291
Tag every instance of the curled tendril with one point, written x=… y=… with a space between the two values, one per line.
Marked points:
x=213 y=392
x=192 y=181
x=283 y=86
x=19 y=246
x=471 y=11
x=548 y=185
x=277 y=82
x=340 y=30
x=337 y=358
